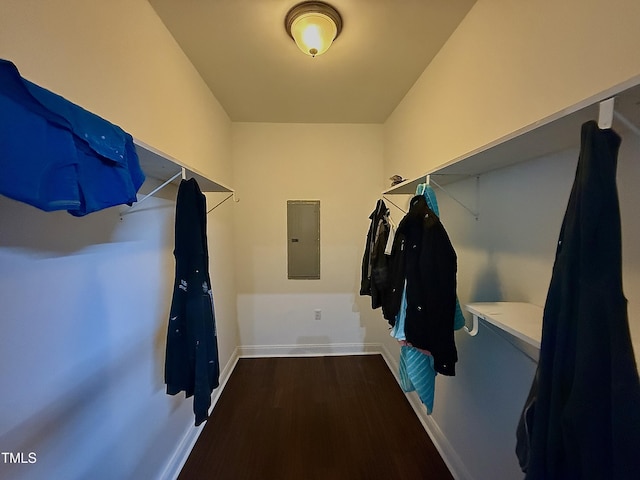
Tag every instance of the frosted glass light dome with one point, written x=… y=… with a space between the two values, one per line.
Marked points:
x=313 y=33
x=313 y=26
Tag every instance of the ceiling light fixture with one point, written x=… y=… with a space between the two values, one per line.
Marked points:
x=313 y=26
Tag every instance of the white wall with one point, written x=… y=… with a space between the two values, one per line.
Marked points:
x=85 y=375
x=117 y=59
x=82 y=349
x=508 y=65
x=85 y=301
x=340 y=165
x=507 y=255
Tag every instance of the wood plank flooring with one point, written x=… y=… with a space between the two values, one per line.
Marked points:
x=313 y=418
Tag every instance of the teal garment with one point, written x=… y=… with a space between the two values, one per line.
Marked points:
x=397 y=331
x=417 y=373
x=432 y=202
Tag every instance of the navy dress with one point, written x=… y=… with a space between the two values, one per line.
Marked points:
x=191 y=363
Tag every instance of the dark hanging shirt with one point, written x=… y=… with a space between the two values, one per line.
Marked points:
x=582 y=418
x=191 y=363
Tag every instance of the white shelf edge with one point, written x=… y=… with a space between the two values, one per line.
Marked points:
x=538 y=139
x=406 y=187
x=502 y=315
x=517 y=318
x=157 y=164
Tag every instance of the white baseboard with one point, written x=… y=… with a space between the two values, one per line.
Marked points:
x=448 y=454
x=309 y=350
x=451 y=458
x=182 y=451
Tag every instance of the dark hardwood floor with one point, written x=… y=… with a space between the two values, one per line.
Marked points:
x=313 y=418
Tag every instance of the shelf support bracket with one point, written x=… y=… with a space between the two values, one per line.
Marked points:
x=392 y=203
x=233 y=194
x=153 y=192
x=605 y=114
x=475 y=214
x=625 y=121
x=475 y=326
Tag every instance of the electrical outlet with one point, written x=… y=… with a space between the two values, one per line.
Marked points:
x=318 y=314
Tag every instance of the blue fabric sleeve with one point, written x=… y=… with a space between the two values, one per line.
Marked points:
x=57 y=155
x=37 y=150
x=417 y=373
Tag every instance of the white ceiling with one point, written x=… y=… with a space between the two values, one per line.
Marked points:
x=257 y=73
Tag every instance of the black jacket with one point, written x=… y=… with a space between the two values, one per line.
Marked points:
x=582 y=418
x=191 y=363
x=424 y=257
x=374 y=262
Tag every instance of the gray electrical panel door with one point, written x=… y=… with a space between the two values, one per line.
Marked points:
x=303 y=239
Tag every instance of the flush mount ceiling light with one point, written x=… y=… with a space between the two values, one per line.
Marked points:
x=313 y=26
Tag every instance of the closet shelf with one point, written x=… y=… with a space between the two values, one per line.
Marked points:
x=522 y=320
x=160 y=166
x=558 y=132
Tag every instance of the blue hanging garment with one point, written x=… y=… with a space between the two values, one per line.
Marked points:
x=397 y=331
x=417 y=373
x=57 y=156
